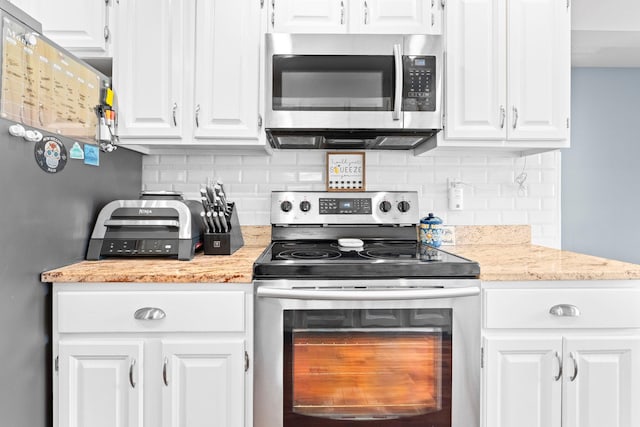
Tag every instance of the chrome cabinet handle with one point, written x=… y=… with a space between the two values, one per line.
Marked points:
x=366 y=13
x=273 y=13
x=149 y=313
x=397 y=102
x=164 y=372
x=198 y=115
x=565 y=310
x=575 y=367
x=173 y=111
x=131 y=381
x=503 y=116
x=515 y=117
x=557 y=377
x=342 y=12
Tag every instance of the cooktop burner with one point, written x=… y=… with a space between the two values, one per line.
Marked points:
x=326 y=259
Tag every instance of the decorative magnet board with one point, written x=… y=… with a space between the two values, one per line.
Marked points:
x=345 y=171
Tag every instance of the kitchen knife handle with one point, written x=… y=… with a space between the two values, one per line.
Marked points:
x=564 y=310
x=149 y=313
x=575 y=367
x=173 y=111
x=164 y=372
x=503 y=116
x=557 y=377
x=131 y=366
x=515 y=116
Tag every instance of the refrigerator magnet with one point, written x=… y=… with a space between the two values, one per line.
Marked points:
x=50 y=154
x=91 y=155
x=76 y=152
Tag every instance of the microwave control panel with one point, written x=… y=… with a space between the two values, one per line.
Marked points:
x=418 y=92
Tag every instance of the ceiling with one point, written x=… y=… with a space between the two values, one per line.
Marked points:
x=605 y=33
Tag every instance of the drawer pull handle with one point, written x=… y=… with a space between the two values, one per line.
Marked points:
x=149 y=313
x=565 y=310
x=131 y=381
x=164 y=372
x=557 y=377
x=575 y=367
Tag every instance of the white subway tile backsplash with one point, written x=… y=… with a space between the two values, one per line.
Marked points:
x=173 y=159
x=170 y=176
x=227 y=160
x=491 y=198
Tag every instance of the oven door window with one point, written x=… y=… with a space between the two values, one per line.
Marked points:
x=333 y=83
x=386 y=371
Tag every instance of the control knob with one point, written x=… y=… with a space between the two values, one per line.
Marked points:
x=385 y=206
x=404 y=206
x=305 y=206
x=286 y=206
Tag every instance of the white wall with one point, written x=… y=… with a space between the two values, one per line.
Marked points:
x=491 y=196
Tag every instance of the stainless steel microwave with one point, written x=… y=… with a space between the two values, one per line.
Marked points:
x=352 y=91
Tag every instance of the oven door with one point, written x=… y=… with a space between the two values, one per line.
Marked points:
x=334 y=81
x=371 y=354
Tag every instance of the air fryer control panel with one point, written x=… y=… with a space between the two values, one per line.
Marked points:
x=419 y=76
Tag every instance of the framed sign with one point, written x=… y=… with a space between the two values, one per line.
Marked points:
x=345 y=171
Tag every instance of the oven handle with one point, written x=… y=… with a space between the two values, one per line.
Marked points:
x=349 y=295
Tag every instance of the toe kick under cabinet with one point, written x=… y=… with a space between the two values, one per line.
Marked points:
x=142 y=355
x=561 y=354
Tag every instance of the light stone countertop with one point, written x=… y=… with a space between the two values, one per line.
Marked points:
x=510 y=258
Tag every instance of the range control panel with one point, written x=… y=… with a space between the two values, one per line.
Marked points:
x=328 y=208
x=348 y=206
x=419 y=77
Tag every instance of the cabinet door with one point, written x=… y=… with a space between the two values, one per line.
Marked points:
x=390 y=16
x=539 y=69
x=227 y=69
x=605 y=389
x=84 y=32
x=308 y=16
x=100 y=383
x=522 y=385
x=148 y=67
x=475 y=67
x=203 y=383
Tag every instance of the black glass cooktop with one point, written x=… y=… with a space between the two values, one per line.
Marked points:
x=375 y=259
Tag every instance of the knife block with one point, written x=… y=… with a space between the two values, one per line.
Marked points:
x=225 y=243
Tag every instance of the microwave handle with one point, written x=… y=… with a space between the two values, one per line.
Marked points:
x=397 y=104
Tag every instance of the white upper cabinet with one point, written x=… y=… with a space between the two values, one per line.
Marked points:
x=304 y=16
x=356 y=16
x=187 y=72
x=508 y=70
x=80 y=26
x=227 y=52
x=148 y=72
x=539 y=61
x=476 y=69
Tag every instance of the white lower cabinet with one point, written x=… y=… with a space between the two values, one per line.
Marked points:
x=547 y=363
x=101 y=384
x=152 y=355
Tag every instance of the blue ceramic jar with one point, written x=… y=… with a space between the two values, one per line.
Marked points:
x=431 y=230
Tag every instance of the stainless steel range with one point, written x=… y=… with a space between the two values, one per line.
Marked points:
x=357 y=324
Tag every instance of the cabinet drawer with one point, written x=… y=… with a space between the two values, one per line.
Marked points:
x=530 y=308
x=198 y=311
